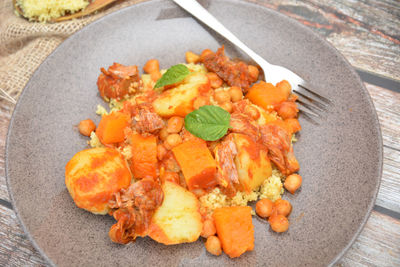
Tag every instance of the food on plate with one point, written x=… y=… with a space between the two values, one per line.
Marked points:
x=111 y=127
x=143 y=161
x=264 y=207
x=86 y=127
x=235 y=229
x=93 y=175
x=277 y=212
x=178 y=101
x=38 y=10
x=178 y=219
x=197 y=164
x=183 y=151
x=292 y=183
x=213 y=245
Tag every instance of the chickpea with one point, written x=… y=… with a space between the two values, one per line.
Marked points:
x=161 y=151
x=285 y=87
x=208 y=229
x=215 y=80
x=175 y=124
x=213 y=245
x=155 y=75
x=252 y=112
x=282 y=207
x=292 y=183
x=227 y=106
x=171 y=176
x=151 y=66
x=192 y=57
x=253 y=72
x=235 y=93
x=287 y=110
x=205 y=53
x=278 y=223
x=199 y=102
x=222 y=96
x=264 y=207
x=86 y=127
x=172 y=141
x=163 y=134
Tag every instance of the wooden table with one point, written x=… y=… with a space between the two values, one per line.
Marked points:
x=367 y=33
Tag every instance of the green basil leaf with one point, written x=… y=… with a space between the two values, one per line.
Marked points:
x=209 y=123
x=173 y=75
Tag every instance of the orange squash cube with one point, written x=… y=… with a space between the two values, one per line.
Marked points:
x=266 y=95
x=111 y=127
x=197 y=164
x=234 y=229
x=144 y=156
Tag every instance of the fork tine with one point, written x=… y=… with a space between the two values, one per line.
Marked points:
x=308 y=117
x=308 y=111
x=312 y=101
x=316 y=94
x=311 y=107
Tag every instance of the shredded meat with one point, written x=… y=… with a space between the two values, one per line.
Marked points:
x=240 y=106
x=280 y=149
x=145 y=120
x=241 y=123
x=233 y=73
x=227 y=174
x=133 y=210
x=118 y=81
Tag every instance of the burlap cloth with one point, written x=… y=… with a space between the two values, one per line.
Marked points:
x=24 y=45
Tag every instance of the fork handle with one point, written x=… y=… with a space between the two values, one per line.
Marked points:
x=194 y=8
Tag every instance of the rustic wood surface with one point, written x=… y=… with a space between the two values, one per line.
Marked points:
x=367 y=32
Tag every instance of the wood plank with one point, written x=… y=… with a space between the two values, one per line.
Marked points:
x=5 y=116
x=387 y=105
x=389 y=192
x=378 y=244
x=365 y=32
x=15 y=248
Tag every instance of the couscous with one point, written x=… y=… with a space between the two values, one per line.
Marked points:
x=46 y=10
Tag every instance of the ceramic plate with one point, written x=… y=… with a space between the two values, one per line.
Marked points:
x=340 y=159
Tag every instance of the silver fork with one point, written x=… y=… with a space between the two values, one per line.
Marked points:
x=311 y=103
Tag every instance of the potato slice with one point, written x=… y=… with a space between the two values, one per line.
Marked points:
x=251 y=162
x=178 y=101
x=178 y=219
x=93 y=175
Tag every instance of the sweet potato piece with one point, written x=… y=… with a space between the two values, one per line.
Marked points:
x=197 y=164
x=266 y=95
x=111 y=127
x=144 y=156
x=235 y=229
x=178 y=219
